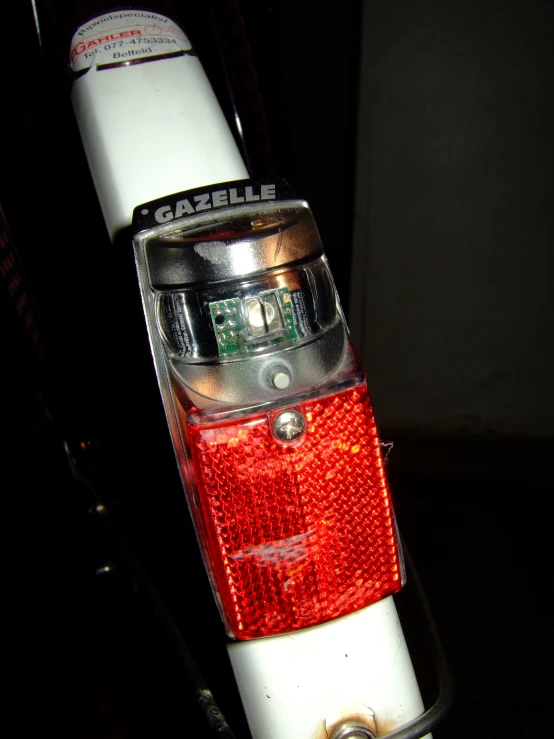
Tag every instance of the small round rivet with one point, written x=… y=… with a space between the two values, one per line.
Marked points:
x=289 y=425
x=280 y=379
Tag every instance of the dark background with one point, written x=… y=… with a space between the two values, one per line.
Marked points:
x=84 y=655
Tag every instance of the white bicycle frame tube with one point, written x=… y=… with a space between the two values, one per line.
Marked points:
x=151 y=129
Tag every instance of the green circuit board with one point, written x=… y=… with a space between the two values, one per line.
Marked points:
x=241 y=325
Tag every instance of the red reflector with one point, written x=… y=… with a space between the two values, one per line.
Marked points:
x=297 y=533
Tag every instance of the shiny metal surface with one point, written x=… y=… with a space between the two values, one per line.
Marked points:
x=352 y=730
x=231 y=243
x=289 y=425
x=248 y=383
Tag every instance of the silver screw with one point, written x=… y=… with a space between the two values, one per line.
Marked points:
x=352 y=730
x=289 y=425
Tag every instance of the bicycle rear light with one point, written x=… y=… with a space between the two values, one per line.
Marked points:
x=268 y=408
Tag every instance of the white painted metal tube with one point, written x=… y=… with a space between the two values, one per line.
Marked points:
x=151 y=125
x=150 y=129
x=301 y=685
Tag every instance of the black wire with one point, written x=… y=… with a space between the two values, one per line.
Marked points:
x=427 y=721
x=237 y=123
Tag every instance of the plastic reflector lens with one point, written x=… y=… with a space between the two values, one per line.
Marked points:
x=297 y=533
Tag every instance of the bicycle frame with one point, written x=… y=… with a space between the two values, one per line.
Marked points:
x=351 y=674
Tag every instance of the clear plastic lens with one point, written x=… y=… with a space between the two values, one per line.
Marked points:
x=236 y=319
